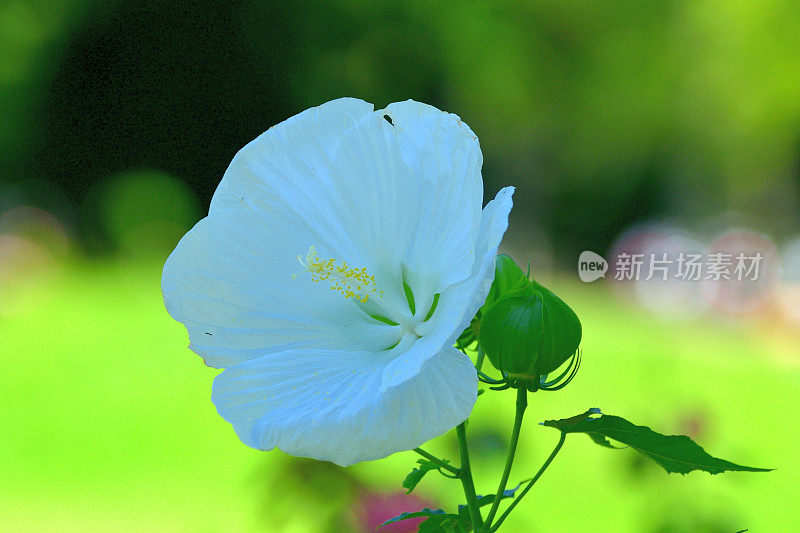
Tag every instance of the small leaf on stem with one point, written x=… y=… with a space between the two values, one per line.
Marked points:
x=437 y=521
x=416 y=475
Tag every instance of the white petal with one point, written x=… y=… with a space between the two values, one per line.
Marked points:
x=472 y=291
x=327 y=404
x=458 y=303
x=336 y=169
x=444 y=153
x=230 y=282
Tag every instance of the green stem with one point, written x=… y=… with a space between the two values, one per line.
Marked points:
x=442 y=463
x=466 y=478
x=522 y=403
x=549 y=460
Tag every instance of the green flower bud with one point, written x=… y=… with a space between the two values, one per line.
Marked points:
x=528 y=332
x=562 y=331
x=512 y=332
x=507 y=276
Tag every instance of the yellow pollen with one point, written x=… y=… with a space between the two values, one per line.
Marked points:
x=350 y=281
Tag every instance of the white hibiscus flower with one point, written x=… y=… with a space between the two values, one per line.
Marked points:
x=346 y=354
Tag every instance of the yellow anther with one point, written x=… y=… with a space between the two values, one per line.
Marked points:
x=351 y=282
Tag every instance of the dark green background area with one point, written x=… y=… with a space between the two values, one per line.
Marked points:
x=601 y=113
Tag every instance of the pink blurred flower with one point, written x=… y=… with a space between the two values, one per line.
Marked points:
x=375 y=508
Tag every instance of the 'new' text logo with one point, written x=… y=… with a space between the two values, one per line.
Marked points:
x=591 y=266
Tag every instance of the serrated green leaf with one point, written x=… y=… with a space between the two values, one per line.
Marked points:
x=445 y=524
x=675 y=453
x=437 y=521
x=463 y=510
x=603 y=441
x=425 y=512
x=416 y=475
x=489 y=498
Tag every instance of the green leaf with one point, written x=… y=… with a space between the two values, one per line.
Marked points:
x=603 y=441
x=437 y=521
x=416 y=475
x=417 y=514
x=463 y=510
x=675 y=453
x=445 y=524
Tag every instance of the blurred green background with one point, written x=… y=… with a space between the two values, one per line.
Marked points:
x=621 y=124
